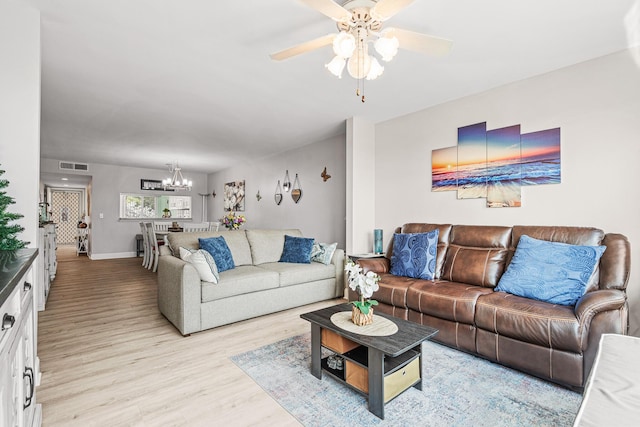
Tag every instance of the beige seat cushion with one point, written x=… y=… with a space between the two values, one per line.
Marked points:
x=293 y=274
x=239 y=281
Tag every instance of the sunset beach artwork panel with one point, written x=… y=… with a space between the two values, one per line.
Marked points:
x=541 y=157
x=472 y=161
x=503 y=167
x=444 y=165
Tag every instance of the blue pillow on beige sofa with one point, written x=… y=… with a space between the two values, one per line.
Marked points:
x=220 y=252
x=297 y=249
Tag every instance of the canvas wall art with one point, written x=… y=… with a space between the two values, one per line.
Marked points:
x=234 y=196
x=495 y=164
x=444 y=169
x=504 y=167
x=472 y=161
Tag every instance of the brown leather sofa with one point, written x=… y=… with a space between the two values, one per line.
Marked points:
x=554 y=342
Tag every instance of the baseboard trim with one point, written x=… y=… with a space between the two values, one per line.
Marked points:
x=95 y=257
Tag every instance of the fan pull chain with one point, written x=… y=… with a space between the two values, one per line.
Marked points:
x=358 y=89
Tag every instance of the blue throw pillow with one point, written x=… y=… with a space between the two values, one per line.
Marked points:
x=220 y=252
x=414 y=255
x=297 y=249
x=554 y=272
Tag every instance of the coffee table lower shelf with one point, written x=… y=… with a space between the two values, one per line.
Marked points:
x=367 y=370
x=400 y=373
x=380 y=367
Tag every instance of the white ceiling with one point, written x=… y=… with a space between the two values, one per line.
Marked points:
x=147 y=82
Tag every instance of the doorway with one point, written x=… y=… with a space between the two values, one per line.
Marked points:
x=67 y=210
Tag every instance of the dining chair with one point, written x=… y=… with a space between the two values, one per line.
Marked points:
x=153 y=246
x=202 y=226
x=145 y=245
x=161 y=225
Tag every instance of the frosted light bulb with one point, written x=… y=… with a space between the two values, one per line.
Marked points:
x=375 y=71
x=387 y=47
x=344 y=44
x=336 y=66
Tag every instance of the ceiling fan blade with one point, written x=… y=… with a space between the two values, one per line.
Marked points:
x=385 y=9
x=303 y=47
x=422 y=43
x=329 y=8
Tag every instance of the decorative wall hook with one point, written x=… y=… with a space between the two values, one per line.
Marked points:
x=258 y=196
x=325 y=176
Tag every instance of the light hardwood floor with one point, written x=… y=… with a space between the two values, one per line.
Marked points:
x=109 y=358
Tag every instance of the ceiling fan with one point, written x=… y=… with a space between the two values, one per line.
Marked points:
x=359 y=24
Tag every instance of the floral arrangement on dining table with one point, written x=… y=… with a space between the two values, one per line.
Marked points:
x=365 y=284
x=233 y=221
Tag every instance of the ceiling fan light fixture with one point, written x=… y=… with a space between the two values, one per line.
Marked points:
x=360 y=22
x=359 y=64
x=375 y=70
x=344 y=44
x=387 y=47
x=336 y=66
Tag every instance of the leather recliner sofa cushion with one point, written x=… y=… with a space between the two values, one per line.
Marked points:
x=446 y=300
x=537 y=322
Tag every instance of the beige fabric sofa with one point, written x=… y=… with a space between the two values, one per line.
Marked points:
x=258 y=285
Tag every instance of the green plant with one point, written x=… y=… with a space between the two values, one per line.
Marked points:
x=8 y=232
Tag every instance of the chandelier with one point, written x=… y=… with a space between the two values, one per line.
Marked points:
x=177 y=181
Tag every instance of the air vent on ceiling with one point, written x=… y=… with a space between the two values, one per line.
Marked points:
x=72 y=166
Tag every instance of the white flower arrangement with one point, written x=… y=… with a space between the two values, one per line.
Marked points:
x=364 y=283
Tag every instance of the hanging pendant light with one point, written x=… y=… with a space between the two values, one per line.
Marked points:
x=177 y=181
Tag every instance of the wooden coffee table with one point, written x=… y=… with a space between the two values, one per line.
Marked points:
x=379 y=366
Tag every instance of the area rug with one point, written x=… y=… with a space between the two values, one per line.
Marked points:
x=458 y=390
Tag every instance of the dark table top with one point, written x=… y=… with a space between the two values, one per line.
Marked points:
x=14 y=265
x=409 y=334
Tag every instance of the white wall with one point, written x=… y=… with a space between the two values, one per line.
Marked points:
x=597 y=106
x=111 y=237
x=361 y=184
x=320 y=213
x=20 y=111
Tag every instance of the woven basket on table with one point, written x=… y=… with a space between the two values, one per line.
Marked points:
x=361 y=319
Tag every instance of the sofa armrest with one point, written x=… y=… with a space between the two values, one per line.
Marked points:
x=596 y=302
x=601 y=312
x=179 y=293
x=377 y=265
x=604 y=311
x=338 y=261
